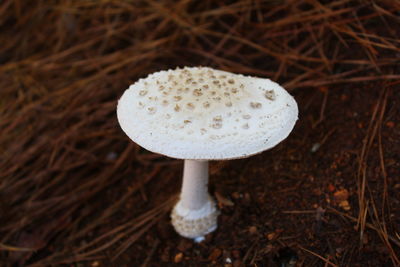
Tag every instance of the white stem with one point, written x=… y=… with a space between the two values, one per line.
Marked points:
x=194 y=193
x=195 y=214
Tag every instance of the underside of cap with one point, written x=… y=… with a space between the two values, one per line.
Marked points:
x=206 y=114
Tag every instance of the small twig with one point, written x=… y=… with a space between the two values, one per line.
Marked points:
x=153 y=249
x=394 y=240
x=322 y=111
x=15 y=249
x=135 y=237
x=362 y=166
x=246 y=256
x=327 y=262
x=299 y=211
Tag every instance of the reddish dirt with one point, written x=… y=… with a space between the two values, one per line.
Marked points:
x=286 y=202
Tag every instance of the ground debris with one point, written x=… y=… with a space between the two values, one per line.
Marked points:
x=253 y=230
x=185 y=244
x=341 y=199
x=223 y=201
x=215 y=254
x=271 y=236
x=178 y=257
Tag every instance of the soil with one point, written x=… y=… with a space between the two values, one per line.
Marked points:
x=288 y=205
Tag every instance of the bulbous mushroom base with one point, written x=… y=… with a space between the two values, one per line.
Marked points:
x=195 y=223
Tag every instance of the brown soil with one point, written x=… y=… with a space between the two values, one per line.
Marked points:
x=290 y=196
x=75 y=191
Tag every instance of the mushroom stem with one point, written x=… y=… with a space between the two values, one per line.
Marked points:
x=194 y=193
x=195 y=214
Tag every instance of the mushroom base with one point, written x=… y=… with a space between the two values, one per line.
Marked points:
x=195 y=223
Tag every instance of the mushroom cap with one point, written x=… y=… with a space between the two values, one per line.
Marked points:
x=205 y=114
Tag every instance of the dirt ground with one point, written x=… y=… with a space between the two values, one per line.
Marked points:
x=298 y=200
x=76 y=192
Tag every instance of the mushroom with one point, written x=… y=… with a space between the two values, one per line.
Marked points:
x=200 y=114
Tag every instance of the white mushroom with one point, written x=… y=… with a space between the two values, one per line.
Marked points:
x=201 y=126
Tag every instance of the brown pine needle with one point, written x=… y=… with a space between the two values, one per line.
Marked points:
x=319 y=256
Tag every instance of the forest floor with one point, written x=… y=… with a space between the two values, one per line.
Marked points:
x=75 y=191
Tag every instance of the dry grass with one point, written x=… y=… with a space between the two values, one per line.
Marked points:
x=63 y=65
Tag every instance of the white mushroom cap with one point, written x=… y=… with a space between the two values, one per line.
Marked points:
x=206 y=114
